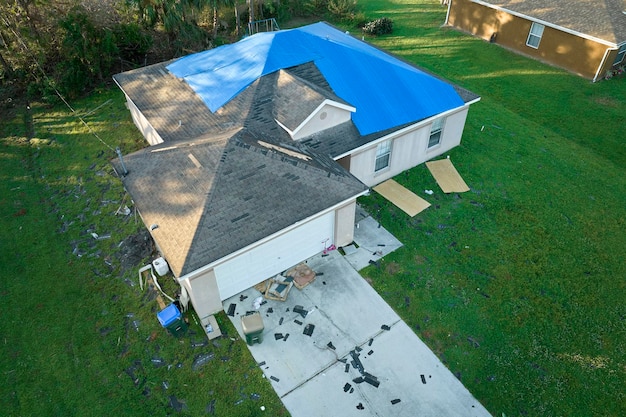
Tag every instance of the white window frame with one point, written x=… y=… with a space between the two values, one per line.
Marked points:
x=534 y=35
x=436 y=132
x=383 y=156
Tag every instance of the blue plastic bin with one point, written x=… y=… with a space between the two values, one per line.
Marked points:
x=171 y=318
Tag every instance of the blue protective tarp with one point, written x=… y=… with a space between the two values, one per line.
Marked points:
x=385 y=91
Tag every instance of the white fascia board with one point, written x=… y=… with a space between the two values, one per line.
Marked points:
x=606 y=53
x=407 y=129
x=543 y=22
x=201 y=270
x=316 y=111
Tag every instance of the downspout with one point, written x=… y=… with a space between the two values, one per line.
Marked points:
x=606 y=53
x=448 y=12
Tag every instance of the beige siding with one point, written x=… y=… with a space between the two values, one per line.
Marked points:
x=204 y=293
x=142 y=124
x=325 y=117
x=408 y=149
x=344 y=224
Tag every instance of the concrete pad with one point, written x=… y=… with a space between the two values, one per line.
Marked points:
x=348 y=312
x=374 y=242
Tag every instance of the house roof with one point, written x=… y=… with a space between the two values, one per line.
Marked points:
x=601 y=19
x=225 y=179
x=397 y=92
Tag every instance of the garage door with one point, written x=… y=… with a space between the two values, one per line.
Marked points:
x=275 y=256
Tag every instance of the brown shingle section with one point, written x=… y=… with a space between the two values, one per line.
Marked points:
x=224 y=180
x=296 y=99
x=603 y=19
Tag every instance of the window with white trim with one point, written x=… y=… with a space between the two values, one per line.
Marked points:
x=535 y=34
x=435 y=132
x=383 y=155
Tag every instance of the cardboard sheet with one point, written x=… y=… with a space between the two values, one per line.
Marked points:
x=447 y=176
x=402 y=198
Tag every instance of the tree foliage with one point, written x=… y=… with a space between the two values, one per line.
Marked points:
x=71 y=46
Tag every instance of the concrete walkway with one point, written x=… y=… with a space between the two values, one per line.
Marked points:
x=361 y=359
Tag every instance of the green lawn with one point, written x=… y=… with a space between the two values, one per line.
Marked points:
x=518 y=285
x=79 y=337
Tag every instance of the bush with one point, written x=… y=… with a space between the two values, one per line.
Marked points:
x=382 y=26
x=344 y=10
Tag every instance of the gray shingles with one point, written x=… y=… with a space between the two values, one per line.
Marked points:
x=249 y=178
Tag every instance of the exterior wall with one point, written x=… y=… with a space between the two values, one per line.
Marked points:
x=325 y=117
x=143 y=125
x=574 y=53
x=208 y=287
x=344 y=224
x=408 y=149
x=204 y=293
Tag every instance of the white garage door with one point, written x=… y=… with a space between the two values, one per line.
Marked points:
x=275 y=256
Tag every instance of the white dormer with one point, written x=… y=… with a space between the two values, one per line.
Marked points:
x=302 y=109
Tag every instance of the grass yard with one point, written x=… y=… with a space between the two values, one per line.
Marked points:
x=518 y=285
x=79 y=337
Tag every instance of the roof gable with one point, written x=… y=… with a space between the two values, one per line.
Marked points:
x=397 y=92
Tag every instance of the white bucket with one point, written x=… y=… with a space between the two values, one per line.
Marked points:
x=160 y=266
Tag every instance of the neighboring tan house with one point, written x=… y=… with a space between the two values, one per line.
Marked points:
x=259 y=149
x=586 y=37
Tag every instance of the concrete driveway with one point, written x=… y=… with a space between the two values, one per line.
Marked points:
x=361 y=359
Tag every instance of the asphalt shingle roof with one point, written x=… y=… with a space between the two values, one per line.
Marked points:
x=603 y=19
x=223 y=180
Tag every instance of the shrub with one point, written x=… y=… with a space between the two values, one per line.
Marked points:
x=382 y=26
x=342 y=9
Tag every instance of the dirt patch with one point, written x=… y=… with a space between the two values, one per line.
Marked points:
x=134 y=249
x=392 y=268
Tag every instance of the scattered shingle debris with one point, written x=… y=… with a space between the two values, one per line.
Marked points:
x=308 y=329
x=331 y=346
x=385 y=327
x=285 y=338
x=273 y=378
x=423 y=379
x=231 y=309
x=300 y=310
x=278 y=336
x=395 y=401
x=201 y=360
x=347 y=387
x=360 y=406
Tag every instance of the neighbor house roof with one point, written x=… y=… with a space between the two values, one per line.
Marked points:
x=601 y=19
x=386 y=91
x=228 y=176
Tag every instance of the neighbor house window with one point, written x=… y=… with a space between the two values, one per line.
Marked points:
x=435 y=133
x=383 y=155
x=535 y=34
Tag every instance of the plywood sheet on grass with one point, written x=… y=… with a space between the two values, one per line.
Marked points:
x=402 y=198
x=447 y=176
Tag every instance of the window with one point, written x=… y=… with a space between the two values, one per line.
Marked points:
x=383 y=154
x=435 y=133
x=534 y=37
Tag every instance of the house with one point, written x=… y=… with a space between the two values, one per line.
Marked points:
x=259 y=149
x=583 y=36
